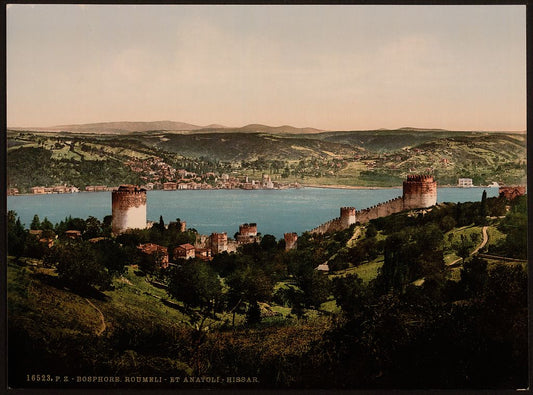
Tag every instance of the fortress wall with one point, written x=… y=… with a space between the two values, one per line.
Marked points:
x=419 y=191
x=333 y=225
x=380 y=210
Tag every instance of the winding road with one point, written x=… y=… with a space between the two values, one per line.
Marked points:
x=479 y=247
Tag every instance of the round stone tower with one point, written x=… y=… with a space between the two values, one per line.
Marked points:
x=419 y=191
x=128 y=208
x=347 y=216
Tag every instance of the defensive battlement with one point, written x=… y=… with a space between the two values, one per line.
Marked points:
x=347 y=209
x=419 y=178
x=248 y=229
x=128 y=208
x=419 y=191
x=129 y=189
x=290 y=236
x=382 y=204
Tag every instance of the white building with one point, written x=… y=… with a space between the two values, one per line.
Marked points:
x=465 y=183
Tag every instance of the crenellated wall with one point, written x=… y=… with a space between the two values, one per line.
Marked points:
x=333 y=225
x=380 y=210
x=419 y=191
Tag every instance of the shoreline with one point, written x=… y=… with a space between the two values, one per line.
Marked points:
x=345 y=186
x=262 y=189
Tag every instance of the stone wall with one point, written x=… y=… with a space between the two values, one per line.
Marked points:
x=419 y=191
x=333 y=225
x=128 y=208
x=380 y=210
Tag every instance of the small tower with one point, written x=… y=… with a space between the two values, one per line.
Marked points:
x=247 y=233
x=290 y=240
x=347 y=216
x=219 y=242
x=419 y=191
x=128 y=208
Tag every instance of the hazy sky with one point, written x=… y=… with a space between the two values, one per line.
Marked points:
x=329 y=67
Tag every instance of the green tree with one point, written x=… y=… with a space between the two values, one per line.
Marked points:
x=77 y=266
x=268 y=243
x=394 y=274
x=111 y=255
x=349 y=292
x=195 y=284
x=371 y=230
x=447 y=223
x=35 y=223
x=483 y=209
x=93 y=228
x=474 y=277
x=16 y=235
x=463 y=248
x=248 y=284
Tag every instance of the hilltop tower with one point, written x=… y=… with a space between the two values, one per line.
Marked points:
x=128 y=208
x=347 y=216
x=290 y=240
x=419 y=191
x=247 y=233
x=219 y=242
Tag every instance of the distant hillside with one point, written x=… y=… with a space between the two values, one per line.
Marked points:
x=391 y=140
x=364 y=158
x=246 y=146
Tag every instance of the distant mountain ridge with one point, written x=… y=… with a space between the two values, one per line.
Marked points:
x=126 y=127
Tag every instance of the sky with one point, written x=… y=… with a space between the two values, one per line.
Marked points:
x=335 y=67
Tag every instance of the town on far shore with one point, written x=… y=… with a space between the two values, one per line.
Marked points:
x=185 y=180
x=191 y=181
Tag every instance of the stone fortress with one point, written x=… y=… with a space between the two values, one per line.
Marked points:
x=419 y=191
x=128 y=208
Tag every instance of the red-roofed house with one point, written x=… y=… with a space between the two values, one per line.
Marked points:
x=184 y=251
x=162 y=252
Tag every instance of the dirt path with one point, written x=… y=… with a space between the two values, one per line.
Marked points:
x=479 y=247
x=102 y=325
x=485 y=239
x=356 y=234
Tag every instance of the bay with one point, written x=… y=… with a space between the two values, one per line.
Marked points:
x=275 y=211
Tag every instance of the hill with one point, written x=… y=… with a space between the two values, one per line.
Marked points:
x=357 y=158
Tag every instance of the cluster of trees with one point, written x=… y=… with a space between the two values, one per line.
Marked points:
x=514 y=226
x=472 y=334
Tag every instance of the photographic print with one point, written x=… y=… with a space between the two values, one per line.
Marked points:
x=266 y=197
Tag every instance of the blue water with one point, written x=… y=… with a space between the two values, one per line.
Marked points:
x=275 y=211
